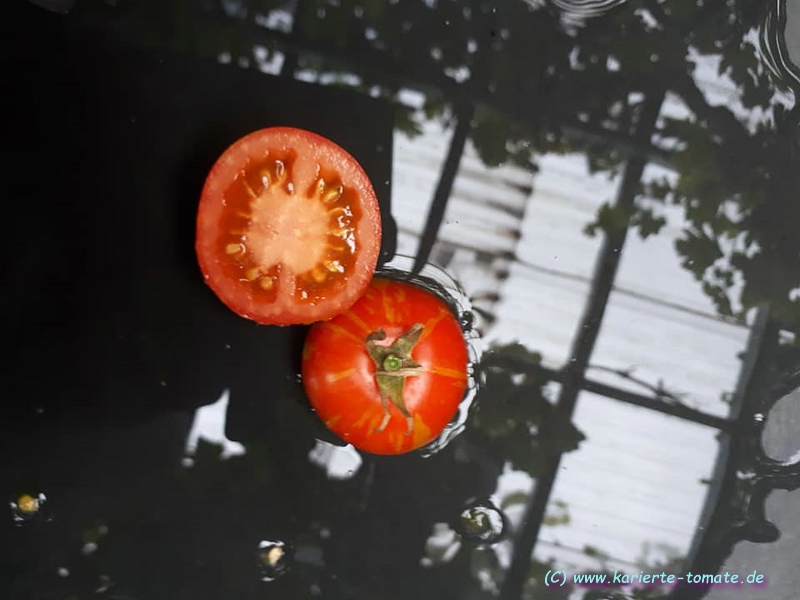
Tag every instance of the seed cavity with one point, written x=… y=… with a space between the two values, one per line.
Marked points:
x=266 y=283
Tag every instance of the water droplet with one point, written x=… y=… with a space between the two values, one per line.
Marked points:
x=89 y=548
x=482 y=523
x=27 y=507
x=576 y=12
x=759 y=417
x=274 y=559
x=773 y=42
x=467 y=320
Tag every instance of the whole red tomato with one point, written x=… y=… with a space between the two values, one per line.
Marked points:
x=388 y=374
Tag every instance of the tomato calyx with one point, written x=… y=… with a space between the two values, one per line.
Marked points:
x=393 y=364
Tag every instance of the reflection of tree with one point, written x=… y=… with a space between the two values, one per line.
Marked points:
x=537 y=86
x=515 y=419
x=735 y=180
x=518 y=416
x=534 y=87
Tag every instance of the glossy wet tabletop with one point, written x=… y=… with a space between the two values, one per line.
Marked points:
x=612 y=190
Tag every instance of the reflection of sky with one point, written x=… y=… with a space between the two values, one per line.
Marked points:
x=636 y=482
x=209 y=426
x=793 y=30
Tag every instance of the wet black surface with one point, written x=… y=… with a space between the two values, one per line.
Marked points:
x=111 y=341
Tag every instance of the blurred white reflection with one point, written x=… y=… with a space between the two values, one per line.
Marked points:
x=339 y=462
x=209 y=425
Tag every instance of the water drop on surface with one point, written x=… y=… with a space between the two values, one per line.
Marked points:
x=274 y=559
x=27 y=507
x=482 y=523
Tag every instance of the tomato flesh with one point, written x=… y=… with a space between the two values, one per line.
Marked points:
x=288 y=227
x=340 y=374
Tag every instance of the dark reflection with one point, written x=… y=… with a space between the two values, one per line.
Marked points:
x=515 y=412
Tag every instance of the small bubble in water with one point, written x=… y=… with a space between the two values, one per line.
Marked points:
x=759 y=417
x=274 y=559
x=482 y=523
x=26 y=507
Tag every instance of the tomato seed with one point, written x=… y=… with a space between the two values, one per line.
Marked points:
x=265 y=177
x=280 y=170
x=334 y=266
x=333 y=194
x=266 y=283
x=234 y=248
x=320 y=187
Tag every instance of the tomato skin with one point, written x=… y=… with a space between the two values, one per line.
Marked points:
x=339 y=375
x=273 y=195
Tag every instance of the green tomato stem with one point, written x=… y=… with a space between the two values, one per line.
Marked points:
x=393 y=364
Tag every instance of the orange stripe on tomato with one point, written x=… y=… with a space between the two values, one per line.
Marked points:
x=342 y=330
x=431 y=323
x=445 y=372
x=334 y=377
x=358 y=323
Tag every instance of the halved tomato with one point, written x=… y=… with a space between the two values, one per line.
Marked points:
x=288 y=227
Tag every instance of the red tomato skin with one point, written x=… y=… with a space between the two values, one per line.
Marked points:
x=241 y=297
x=339 y=374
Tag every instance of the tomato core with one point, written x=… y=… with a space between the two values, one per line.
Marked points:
x=279 y=236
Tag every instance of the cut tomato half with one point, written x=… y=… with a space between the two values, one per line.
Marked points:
x=288 y=227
